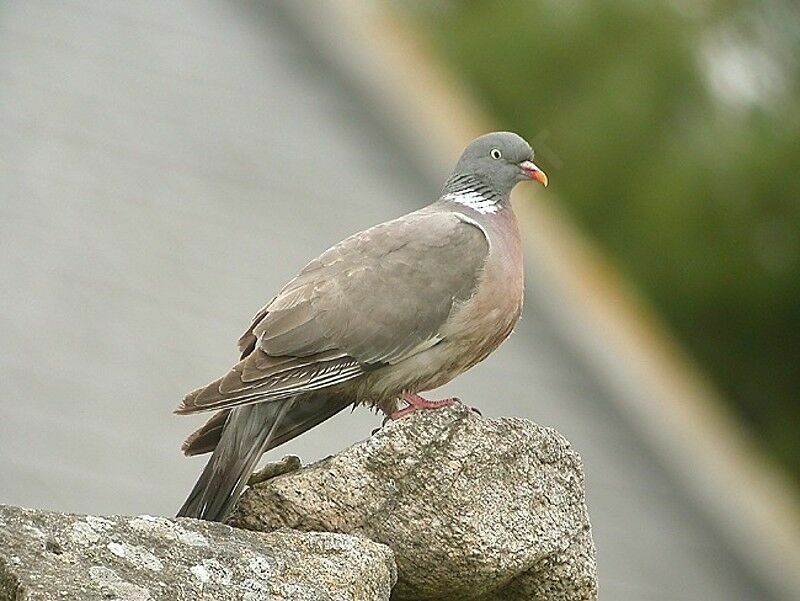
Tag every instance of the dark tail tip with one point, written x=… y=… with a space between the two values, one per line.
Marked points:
x=244 y=437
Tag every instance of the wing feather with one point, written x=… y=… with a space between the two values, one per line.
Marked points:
x=234 y=389
x=375 y=298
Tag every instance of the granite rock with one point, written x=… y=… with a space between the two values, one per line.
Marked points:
x=472 y=508
x=45 y=556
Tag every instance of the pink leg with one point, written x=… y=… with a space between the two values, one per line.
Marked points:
x=416 y=403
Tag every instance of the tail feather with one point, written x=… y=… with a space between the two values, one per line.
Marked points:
x=245 y=437
x=205 y=439
x=313 y=410
x=304 y=416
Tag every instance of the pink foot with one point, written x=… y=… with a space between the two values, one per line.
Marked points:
x=417 y=403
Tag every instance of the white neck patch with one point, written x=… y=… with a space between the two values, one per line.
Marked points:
x=474 y=200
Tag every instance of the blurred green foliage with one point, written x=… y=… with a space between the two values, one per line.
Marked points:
x=671 y=130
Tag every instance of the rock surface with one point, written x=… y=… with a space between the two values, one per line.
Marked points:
x=472 y=508
x=469 y=508
x=48 y=556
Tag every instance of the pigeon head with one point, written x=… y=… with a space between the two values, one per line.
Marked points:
x=500 y=160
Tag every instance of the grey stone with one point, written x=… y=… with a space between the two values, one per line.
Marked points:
x=47 y=556
x=472 y=508
x=288 y=464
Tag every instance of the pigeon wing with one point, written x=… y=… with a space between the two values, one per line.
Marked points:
x=375 y=298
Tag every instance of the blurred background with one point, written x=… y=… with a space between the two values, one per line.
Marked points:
x=165 y=167
x=676 y=125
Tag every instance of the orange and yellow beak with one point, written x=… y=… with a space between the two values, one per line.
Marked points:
x=533 y=172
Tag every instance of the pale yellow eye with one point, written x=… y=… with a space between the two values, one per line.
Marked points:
x=495 y=153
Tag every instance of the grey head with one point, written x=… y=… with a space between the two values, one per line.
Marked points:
x=492 y=165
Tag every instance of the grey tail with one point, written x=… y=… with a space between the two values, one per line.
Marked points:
x=304 y=415
x=245 y=437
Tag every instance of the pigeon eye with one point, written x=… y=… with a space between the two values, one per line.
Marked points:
x=495 y=153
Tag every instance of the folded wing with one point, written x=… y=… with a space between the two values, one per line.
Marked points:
x=375 y=298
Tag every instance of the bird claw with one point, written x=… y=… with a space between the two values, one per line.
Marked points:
x=417 y=403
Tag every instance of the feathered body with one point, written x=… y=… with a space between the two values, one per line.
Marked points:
x=402 y=307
